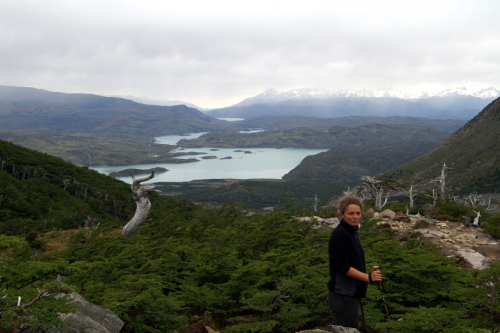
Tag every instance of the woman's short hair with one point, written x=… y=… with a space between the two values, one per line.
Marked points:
x=349 y=200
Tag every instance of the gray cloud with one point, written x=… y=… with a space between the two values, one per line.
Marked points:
x=217 y=53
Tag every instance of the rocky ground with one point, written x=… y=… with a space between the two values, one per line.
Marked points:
x=458 y=239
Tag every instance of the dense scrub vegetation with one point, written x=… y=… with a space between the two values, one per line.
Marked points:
x=240 y=272
x=255 y=193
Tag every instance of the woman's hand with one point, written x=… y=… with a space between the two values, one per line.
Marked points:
x=376 y=276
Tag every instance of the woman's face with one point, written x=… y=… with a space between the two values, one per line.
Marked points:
x=352 y=215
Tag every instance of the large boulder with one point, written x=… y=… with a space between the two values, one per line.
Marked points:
x=332 y=222
x=89 y=318
x=387 y=214
x=370 y=212
x=486 y=239
x=425 y=224
x=475 y=259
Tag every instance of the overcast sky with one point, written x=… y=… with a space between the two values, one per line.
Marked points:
x=215 y=53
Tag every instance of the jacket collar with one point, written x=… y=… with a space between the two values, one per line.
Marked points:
x=349 y=227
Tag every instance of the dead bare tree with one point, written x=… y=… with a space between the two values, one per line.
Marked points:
x=477 y=220
x=442 y=179
x=489 y=204
x=65 y=183
x=474 y=199
x=21 y=312
x=140 y=193
x=350 y=192
x=411 y=195
x=316 y=202
x=380 y=189
x=91 y=222
x=434 y=197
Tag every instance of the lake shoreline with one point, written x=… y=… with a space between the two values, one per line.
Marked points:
x=219 y=163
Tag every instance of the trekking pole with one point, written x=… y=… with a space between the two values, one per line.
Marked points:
x=363 y=314
x=375 y=268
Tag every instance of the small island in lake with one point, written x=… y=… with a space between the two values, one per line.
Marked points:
x=136 y=172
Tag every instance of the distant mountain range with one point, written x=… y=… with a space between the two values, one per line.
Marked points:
x=160 y=102
x=90 y=129
x=36 y=110
x=272 y=95
x=457 y=103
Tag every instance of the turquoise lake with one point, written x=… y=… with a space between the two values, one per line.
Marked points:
x=247 y=163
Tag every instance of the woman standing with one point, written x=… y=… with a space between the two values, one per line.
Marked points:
x=348 y=277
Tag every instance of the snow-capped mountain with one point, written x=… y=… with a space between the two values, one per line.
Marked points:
x=272 y=95
x=487 y=93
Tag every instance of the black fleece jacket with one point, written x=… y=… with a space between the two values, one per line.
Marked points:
x=345 y=251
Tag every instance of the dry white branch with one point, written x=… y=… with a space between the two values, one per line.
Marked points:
x=140 y=193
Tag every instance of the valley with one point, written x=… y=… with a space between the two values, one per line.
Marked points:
x=215 y=251
x=368 y=138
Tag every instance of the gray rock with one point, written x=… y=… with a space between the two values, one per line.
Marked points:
x=387 y=213
x=486 y=239
x=429 y=233
x=332 y=221
x=370 y=212
x=423 y=224
x=90 y=318
x=210 y=330
x=476 y=259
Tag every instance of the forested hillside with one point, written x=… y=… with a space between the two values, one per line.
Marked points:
x=253 y=193
x=345 y=166
x=41 y=192
x=302 y=137
x=471 y=156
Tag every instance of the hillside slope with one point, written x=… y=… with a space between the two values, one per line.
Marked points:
x=41 y=192
x=36 y=109
x=345 y=166
x=472 y=153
